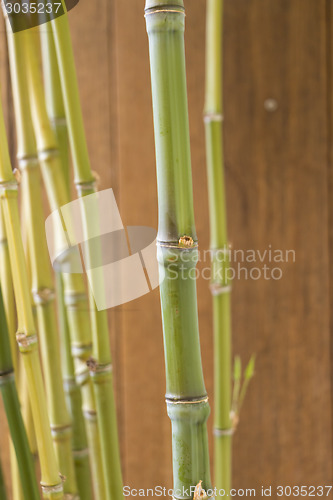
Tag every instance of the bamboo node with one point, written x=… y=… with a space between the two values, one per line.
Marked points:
x=223 y=432
x=43 y=296
x=186 y=401
x=27 y=161
x=213 y=117
x=26 y=341
x=218 y=289
x=60 y=430
x=72 y=299
x=176 y=9
x=186 y=241
x=81 y=453
x=90 y=414
x=56 y=488
x=9 y=185
x=82 y=186
x=48 y=154
x=96 y=368
x=7 y=376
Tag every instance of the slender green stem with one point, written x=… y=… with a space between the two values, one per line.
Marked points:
x=13 y=412
x=219 y=244
x=101 y=363
x=186 y=396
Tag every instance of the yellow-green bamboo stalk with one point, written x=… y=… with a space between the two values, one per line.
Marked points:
x=101 y=363
x=220 y=287
x=56 y=113
x=26 y=335
x=177 y=250
x=18 y=434
x=75 y=295
x=53 y=98
x=42 y=285
x=9 y=306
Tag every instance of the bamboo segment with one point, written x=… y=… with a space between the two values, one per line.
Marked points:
x=74 y=402
x=53 y=98
x=177 y=251
x=101 y=364
x=42 y=286
x=14 y=417
x=75 y=296
x=220 y=287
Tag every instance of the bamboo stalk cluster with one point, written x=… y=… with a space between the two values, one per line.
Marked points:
x=73 y=407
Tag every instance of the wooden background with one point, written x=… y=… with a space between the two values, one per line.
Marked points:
x=279 y=183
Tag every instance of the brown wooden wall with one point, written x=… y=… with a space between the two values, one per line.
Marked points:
x=279 y=183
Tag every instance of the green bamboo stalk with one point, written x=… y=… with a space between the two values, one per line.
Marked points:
x=220 y=287
x=42 y=284
x=101 y=364
x=75 y=295
x=177 y=248
x=13 y=412
x=26 y=336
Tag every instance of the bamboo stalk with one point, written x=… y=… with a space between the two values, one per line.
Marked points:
x=74 y=401
x=75 y=296
x=53 y=98
x=56 y=113
x=186 y=396
x=13 y=412
x=101 y=364
x=9 y=307
x=220 y=287
x=26 y=336
x=42 y=285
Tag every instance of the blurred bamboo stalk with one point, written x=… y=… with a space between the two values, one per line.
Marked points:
x=220 y=286
x=101 y=363
x=27 y=338
x=42 y=285
x=12 y=408
x=177 y=248
x=56 y=113
x=75 y=295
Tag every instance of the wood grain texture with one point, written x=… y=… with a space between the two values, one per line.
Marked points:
x=279 y=180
